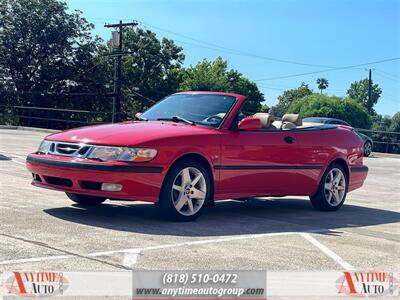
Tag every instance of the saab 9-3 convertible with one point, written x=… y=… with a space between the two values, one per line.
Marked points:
x=194 y=148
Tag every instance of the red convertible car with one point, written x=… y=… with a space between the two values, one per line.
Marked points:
x=194 y=148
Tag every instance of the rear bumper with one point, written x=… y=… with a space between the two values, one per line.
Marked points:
x=358 y=174
x=139 y=181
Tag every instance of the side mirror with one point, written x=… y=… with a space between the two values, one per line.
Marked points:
x=137 y=115
x=250 y=124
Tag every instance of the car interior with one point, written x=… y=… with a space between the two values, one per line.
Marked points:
x=288 y=122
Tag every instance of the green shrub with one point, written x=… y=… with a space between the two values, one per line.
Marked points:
x=346 y=109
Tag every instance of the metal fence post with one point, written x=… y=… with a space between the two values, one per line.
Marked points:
x=29 y=117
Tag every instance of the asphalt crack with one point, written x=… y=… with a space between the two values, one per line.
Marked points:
x=74 y=254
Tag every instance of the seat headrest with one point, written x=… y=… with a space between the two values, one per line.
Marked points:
x=293 y=118
x=288 y=125
x=266 y=119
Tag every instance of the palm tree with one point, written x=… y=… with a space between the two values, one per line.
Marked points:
x=322 y=84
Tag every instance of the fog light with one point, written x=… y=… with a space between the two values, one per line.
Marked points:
x=111 y=187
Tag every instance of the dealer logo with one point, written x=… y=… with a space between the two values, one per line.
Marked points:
x=367 y=284
x=36 y=284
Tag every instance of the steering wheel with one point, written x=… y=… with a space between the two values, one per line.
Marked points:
x=215 y=119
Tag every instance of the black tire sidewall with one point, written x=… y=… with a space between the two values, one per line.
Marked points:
x=166 y=206
x=319 y=200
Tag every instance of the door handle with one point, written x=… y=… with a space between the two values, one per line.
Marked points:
x=288 y=139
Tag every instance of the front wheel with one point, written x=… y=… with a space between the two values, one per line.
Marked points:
x=332 y=189
x=85 y=200
x=186 y=190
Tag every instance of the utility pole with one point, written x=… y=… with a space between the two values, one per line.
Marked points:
x=369 y=90
x=116 y=113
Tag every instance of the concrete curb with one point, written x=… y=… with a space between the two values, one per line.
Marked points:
x=28 y=128
x=381 y=154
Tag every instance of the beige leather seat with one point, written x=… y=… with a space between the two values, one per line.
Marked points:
x=265 y=119
x=291 y=121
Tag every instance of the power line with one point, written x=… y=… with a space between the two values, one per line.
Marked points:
x=328 y=70
x=220 y=48
x=215 y=47
x=144 y=97
x=386 y=73
x=385 y=76
x=235 y=51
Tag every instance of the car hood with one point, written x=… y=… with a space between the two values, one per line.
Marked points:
x=128 y=133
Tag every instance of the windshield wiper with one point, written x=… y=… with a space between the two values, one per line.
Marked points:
x=177 y=119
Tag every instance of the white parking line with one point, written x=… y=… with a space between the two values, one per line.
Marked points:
x=327 y=251
x=131 y=255
x=13 y=159
x=200 y=242
x=130 y=258
x=17 y=162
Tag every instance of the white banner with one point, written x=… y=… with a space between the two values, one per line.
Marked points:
x=201 y=285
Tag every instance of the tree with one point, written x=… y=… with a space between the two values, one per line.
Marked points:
x=359 y=91
x=215 y=76
x=322 y=84
x=395 y=123
x=289 y=96
x=44 y=48
x=278 y=110
x=264 y=108
x=346 y=109
x=386 y=142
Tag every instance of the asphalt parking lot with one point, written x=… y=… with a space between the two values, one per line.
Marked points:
x=43 y=230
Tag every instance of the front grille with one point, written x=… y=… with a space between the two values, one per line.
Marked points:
x=69 y=149
x=58 y=181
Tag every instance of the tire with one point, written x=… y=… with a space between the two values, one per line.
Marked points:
x=367 y=148
x=85 y=200
x=185 y=192
x=330 y=197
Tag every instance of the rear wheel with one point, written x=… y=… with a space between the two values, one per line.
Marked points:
x=332 y=189
x=185 y=192
x=367 y=148
x=85 y=199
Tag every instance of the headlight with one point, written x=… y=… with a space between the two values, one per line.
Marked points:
x=44 y=147
x=122 y=154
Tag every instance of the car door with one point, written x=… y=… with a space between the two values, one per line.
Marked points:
x=263 y=162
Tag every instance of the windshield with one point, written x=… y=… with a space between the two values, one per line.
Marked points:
x=201 y=109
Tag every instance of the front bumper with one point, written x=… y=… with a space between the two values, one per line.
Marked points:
x=69 y=174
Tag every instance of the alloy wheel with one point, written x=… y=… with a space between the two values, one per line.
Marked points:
x=335 y=187
x=189 y=191
x=367 y=148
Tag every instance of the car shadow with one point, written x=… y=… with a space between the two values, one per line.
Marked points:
x=4 y=157
x=254 y=216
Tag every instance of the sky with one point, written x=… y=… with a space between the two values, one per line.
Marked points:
x=269 y=39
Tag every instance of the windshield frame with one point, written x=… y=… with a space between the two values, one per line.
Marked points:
x=321 y=120
x=228 y=112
